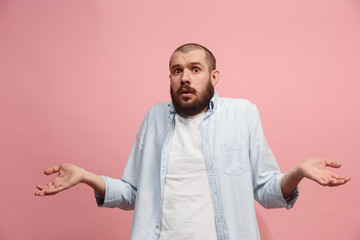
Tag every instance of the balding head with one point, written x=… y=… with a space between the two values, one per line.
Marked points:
x=210 y=59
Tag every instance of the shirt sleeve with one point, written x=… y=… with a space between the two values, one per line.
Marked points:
x=290 y=201
x=266 y=175
x=122 y=192
x=117 y=194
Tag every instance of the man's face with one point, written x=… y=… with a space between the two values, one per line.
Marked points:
x=191 y=82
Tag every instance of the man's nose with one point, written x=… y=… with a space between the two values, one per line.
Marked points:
x=185 y=78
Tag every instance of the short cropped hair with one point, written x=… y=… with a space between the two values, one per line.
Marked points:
x=194 y=46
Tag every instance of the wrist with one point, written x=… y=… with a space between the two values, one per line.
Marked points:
x=297 y=173
x=93 y=180
x=86 y=177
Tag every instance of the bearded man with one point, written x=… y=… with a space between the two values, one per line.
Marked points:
x=197 y=163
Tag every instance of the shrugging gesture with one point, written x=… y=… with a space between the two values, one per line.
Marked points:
x=69 y=175
x=316 y=169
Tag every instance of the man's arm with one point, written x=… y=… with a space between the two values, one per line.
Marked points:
x=68 y=176
x=315 y=169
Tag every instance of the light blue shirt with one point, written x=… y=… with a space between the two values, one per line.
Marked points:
x=239 y=162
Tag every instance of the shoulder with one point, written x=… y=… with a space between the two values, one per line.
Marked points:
x=235 y=104
x=155 y=118
x=159 y=111
x=238 y=110
x=159 y=108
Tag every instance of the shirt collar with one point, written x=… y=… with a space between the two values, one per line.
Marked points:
x=214 y=102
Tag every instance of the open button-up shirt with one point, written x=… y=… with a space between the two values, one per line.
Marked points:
x=240 y=167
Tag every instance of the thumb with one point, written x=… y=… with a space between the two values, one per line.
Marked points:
x=332 y=163
x=52 y=170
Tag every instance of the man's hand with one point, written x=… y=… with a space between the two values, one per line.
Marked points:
x=68 y=175
x=316 y=169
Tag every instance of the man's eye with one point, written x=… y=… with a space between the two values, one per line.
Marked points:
x=196 y=69
x=177 y=71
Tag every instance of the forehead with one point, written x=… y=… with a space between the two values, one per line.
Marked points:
x=182 y=58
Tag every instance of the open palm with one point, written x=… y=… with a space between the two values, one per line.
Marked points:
x=68 y=175
x=318 y=170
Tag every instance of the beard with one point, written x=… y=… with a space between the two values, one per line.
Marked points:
x=186 y=108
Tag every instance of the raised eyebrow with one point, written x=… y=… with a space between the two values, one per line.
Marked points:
x=175 y=66
x=196 y=63
x=192 y=64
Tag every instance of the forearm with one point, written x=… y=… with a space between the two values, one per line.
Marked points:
x=290 y=181
x=95 y=181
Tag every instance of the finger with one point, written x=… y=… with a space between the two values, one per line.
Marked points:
x=52 y=170
x=333 y=164
x=40 y=193
x=323 y=182
x=339 y=177
x=343 y=179
x=337 y=183
x=40 y=187
x=51 y=191
x=37 y=193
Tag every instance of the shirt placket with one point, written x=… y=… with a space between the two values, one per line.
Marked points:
x=214 y=187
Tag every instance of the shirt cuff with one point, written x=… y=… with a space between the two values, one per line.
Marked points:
x=99 y=197
x=117 y=194
x=290 y=201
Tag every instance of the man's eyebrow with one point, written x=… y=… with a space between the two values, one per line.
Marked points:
x=196 y=63
x=192 y=64
x=175 y=66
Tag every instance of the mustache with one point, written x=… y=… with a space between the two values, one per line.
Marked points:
x=185 y=88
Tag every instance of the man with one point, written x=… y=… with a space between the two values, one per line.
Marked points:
x=197 y=164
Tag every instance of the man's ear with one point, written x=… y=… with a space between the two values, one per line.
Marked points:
x=214 y=77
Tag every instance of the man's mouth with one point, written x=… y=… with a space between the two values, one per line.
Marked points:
x=186 y=92
x=186 y=95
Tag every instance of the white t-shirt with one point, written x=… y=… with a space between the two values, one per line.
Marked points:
x=187 y=207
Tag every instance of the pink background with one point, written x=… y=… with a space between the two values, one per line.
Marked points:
x=76 y=78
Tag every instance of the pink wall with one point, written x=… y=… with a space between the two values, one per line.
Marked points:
x=76 y=78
